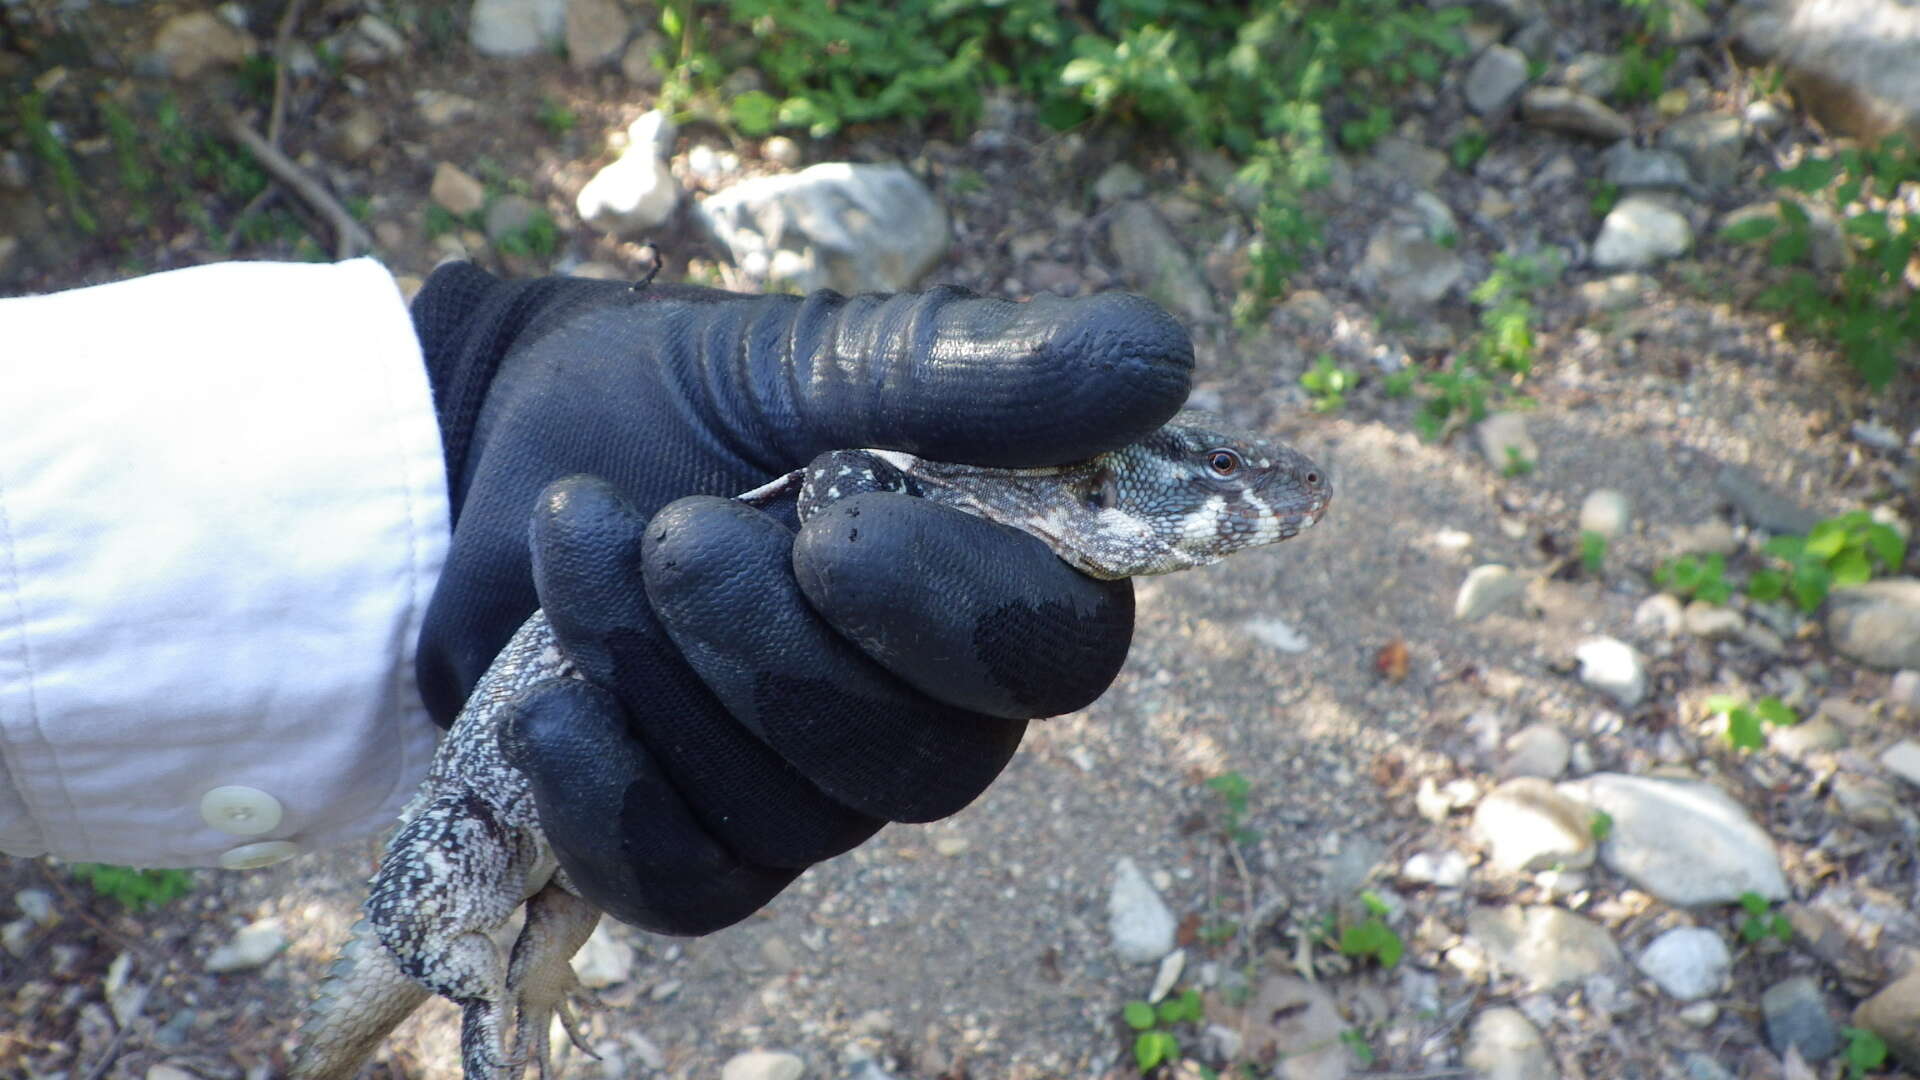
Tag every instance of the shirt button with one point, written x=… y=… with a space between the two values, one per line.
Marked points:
x=241 y=811
x=254 y=856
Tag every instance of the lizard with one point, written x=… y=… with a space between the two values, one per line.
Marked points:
x=469 y=850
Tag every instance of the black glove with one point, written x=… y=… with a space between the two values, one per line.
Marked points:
x=737 y=727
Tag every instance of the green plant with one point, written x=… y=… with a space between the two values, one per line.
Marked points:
x=1643 y=74
x=1593 y=551
x=539 y=238
x=555 y=117
x=1865 y=1050
x=1762 y=921
x=439 y=221
x=136 y=890
x=1518 y=464
x=1693 y=577
x=1602 y=196
x=1327 y=383
x=1868 y=309
x=1155 y=1043
x=1844 y=550
x=1746 y=724
x=1467 y=149
x=1233 y=789
x=1356 y=1043
x=1502 y=351
x=1600 y=826
x=30 y=112
x=1371 y=936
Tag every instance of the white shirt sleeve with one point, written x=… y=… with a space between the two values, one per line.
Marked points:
x=222 y=510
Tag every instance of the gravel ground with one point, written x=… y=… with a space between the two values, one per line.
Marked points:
x=1331 y=673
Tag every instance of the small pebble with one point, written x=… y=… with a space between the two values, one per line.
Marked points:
x=1687 y=962
x=1171 y=965
x=1904 y=692
x=1505 y=442
x=37 y=904
x=1902 y=759
x=763 y=1065
x=1486 y=590
x=1710 y=537
x=1606 y=512
x=1526 y=826
x=1659 y=615
x=1444 y=869
x=1614 y=668
x=781 y=151
x=1140 y=923
x=1537 y=750
x=252 y=946
x=1712 y=621
x=1699 y=1014
x=1797 y=1017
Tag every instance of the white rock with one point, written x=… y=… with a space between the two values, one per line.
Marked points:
x=1495 y=78
x=1902 y=759
x=1168 y=973
x=1687 y=962
x=1640 y=231
x=1547 y=946
x=1606 y=512
x=1684 y=841
x=1486 y=589
x=1614 y=668
x=781 y=150
x=1878 y=623
x=1526 y=825
x=505 y=28
x=164 y=1071
x=635 y=192
x=1904 y=691
x=254 y=945
x=604 y=960
x=1505 y=442
x=37 y=904
x=1445 y=869
x=854 y=228
x=1659 y=615
x=763 y=1065
x=1537 y=750
x=1141 y=924
x=1504 y=1045
x=1712 y=621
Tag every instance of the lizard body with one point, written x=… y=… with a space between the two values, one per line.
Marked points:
x=470 y=851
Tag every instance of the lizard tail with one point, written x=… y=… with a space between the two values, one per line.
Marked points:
x=364 y=996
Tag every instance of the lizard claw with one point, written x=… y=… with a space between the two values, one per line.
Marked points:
x=541 y=982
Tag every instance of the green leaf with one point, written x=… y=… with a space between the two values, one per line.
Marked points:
x=1593 y=551
x=1865 y=1050
x=1601 y=825
x=1789 y=548
x=1372 y=902
x=1826 y=539
x=1138 y=1015
x=1767 y=586
x=1887 y=543
x=1753 y=228
x=1809 y=176
x=1775 y=711
x=755 y=113
x=1810 y=585
x=1721 y=704
x=1154 y=1047
x=1851 y=567
x=1755 y=904
x=1743 y=729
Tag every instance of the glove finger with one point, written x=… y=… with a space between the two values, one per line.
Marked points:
x=719 y=575
x=953 y=376
x=968 y=612
x=620 y=831
x=586 y=543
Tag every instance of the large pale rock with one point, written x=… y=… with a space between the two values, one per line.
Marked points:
x=1878 y=623
x=1684 y=841
x=1710 y=143
x=1640 y=231
x=506 y=28
x=1893 y=1013
x=1407 y=265
x=635 y=192
x=1504 y=1045
x=1495 y=78
x=854 y=228
x=1687 y=962
x=1547 y=946
x=1851 y=62
x=191 y=43
x=1527 y=826
x=1157 y=263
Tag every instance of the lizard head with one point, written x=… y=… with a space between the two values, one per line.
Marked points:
x=1192 y=493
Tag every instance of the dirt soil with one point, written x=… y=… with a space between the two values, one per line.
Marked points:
x=1330 y=672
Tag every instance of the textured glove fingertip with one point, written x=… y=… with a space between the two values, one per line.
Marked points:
x=628 y=843
x=965 y=611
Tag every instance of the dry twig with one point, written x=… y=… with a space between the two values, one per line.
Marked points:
x=349 y=239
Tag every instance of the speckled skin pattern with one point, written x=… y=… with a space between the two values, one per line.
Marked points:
x=470 y=850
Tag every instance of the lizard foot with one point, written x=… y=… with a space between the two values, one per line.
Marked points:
x=541 y=980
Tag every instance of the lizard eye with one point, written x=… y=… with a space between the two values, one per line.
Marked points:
x=1223 y=462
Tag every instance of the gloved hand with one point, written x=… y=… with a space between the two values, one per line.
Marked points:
x=732 y=732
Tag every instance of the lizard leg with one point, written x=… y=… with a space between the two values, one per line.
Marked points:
x=452 y=876
x=540 y=978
